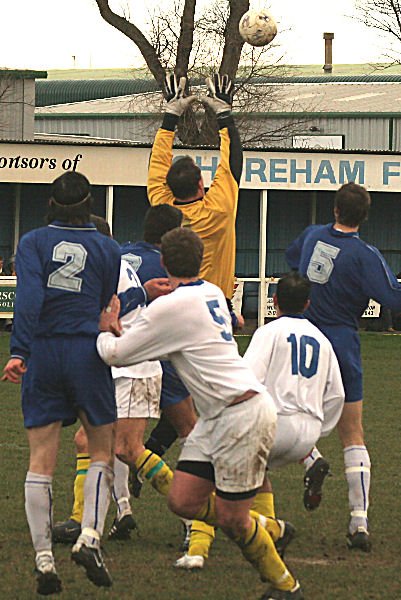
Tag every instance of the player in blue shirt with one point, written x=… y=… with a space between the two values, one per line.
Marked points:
x=66 y=273
x=345 y=273
x=175 y=401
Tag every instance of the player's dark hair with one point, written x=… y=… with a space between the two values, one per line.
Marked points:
x=182 y=251
x=293 y=292
x=101 y=225
x=158 y=220
x=70 y=200
x=183 y=178
x=353 y=202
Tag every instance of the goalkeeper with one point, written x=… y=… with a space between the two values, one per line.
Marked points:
x=210 y=214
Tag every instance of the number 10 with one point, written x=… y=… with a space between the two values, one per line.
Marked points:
x=300 y=366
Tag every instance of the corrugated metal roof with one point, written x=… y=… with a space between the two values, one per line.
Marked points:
x=63 y=91
x=292 y=98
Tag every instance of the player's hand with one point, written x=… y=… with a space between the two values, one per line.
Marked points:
x=109 y=320
x=240 y=322
x=14 y=370
x=177 y=103
x=220 y=94
x=157 y=287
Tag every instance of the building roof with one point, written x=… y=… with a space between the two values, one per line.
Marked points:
x=64 y=91
x=368 y=96
x=22 y=74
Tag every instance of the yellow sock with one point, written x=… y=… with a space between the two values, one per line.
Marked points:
x=270 y=524
x=83 y=462
x=202 y=536
x=264 y=504
x=151 y=466
x=207 y=512
x=258 y=548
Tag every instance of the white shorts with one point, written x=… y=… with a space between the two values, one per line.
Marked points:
x=237 y=443
x=138 y=398
x=295 y=437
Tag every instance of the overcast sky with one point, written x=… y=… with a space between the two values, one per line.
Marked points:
x=47 y=34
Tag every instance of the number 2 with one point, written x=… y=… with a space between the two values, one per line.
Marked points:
x=64 y=278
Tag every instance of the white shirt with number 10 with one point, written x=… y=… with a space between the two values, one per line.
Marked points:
x=297 y=364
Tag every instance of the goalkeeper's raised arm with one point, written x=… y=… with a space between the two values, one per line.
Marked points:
x=210 y=214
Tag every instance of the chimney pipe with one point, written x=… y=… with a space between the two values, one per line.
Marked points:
x=328 y=54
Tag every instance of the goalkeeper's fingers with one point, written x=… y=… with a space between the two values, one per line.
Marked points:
x=170 y=84
x=181 y=87
x=226 y=85
x=210 y=87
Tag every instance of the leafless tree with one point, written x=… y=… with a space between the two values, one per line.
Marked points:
x=385 y=17
x=194 y=47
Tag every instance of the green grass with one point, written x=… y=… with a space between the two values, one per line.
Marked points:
x=142 y=568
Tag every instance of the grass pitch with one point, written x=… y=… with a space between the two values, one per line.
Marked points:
x=142 y=568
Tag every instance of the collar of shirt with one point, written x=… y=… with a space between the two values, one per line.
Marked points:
x=71 y=226
x=339 y=233
x=198 y=282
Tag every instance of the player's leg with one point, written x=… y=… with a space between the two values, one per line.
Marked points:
x=144 y=403
x=67 y=532
x=190 y=497
x=317 y=468
x=43 y=445
x=357 y=472
x=257 y=546
x=182 y=416
x=202 y=534
x=98 y=413
x=350 y=430
x=177 y=405
x=97 y=488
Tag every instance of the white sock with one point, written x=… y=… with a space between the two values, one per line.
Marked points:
x=39 y=510
x=98 y=483
x=357 y=472
x=311 y=458
x=120 y=490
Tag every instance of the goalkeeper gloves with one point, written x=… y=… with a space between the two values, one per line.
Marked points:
x=220 y=94
x=176 y=102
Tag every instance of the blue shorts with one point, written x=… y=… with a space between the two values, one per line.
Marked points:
x=65 y=373
x=347 y=347
x=173 y=390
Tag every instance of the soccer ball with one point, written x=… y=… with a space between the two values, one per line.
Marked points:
x=257 y=27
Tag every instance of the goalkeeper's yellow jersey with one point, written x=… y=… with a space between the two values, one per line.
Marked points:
x=213 y=216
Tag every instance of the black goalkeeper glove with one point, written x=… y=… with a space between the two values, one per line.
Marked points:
x=220 y=94
x=176 y=102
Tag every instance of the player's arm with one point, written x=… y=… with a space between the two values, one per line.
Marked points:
x=378 y=281
x=162 y=151
x=333 y=398
x=223 y=192
x=258 y=354
x=133 y=297
x=157 y=332
x=28 y=298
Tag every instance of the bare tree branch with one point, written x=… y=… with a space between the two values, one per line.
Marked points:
x=384 y=16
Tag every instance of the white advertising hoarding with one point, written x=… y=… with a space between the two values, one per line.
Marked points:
x=127 y=165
